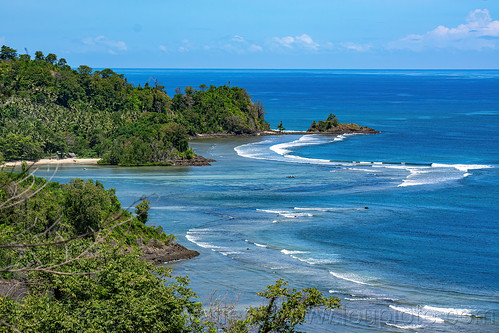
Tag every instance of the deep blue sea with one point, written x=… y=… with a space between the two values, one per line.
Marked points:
x=403 y=226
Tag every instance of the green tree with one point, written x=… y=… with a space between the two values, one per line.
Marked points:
x=62 y=62
x=280 y=127
x=7 y=53
x=332 y=119
x=287 y=308
x=51 y=58
x=39 y=56
x=142 y=211
x=105 y=73
x=25 y=57
x=20 y=147
x=84 y=70
x=87 y=205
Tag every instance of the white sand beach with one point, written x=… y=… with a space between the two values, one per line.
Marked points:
x=44 y=161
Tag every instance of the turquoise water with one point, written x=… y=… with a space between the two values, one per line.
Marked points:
x=402 y=226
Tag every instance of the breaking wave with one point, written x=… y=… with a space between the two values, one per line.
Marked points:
x=417 y=173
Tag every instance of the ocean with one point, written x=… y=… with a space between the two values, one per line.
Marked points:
x=401 y=225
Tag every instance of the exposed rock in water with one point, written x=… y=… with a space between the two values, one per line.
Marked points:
x=166 y=253
x=344 y=129
x=332 y=126
x=195 y=161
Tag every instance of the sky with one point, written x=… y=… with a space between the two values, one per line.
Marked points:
x=336 y=34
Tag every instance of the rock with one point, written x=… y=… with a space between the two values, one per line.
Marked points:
x=195 y=161
x=166 y=253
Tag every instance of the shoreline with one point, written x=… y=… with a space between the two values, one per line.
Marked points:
x=50 y=161
x=233 y=135
x=196 y=160
x=275 y=132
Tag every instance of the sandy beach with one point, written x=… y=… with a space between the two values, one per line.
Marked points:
x=45 y=161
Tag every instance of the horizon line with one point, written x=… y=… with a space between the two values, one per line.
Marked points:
x=311 y=69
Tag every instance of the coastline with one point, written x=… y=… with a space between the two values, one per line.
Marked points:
x=195 y=161
x=341 y=131
x=49 y=161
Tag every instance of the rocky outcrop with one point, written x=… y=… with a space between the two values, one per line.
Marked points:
x=166 y=253
x=344 y=130
x=195 y=161
x=332 y=126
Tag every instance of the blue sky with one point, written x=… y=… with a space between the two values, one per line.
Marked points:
x=258 y=34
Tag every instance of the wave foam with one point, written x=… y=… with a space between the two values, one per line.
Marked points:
x=296 y=215
x=449 y=311
x=418 y=312
x=325 y=209
x=285 y=149
x=340 y=137
x=419 y=173
x=310 y=261
x=406 y=327
x=227 y=253
x=195 y=240
x=256 y=244
x=370 y=298
x=253 y=150
x=361 y=299
x=462 y=167
x=272 y=211
x=193 y=237
x=313 y=261
x=314 y=209
x=285 y=213
x=306 y=140
x=349 y=277
x=439 y=173
x=289 y=252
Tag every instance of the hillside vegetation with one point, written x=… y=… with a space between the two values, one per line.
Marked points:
x=70 y=262
x=48 y=107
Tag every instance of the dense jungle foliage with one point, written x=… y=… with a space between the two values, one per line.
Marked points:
x=48 y=107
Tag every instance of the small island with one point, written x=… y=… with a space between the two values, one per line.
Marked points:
x=332 y=126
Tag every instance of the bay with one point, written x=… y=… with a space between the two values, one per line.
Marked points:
x=402 y=225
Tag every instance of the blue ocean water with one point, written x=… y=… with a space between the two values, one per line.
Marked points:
x=402 y=225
